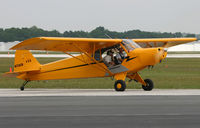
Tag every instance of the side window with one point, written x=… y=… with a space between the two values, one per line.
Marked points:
x=97 y=55
x=128 y=46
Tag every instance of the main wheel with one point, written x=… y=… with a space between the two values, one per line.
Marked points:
x=120 y=85
x=149 y=85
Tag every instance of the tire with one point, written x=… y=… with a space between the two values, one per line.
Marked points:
x=120 y=85
x=22 y=88
x=149 y=85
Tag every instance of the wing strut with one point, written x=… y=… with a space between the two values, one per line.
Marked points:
x=76 y=57
x=92 y=59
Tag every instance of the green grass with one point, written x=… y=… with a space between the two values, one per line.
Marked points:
x=171 y=73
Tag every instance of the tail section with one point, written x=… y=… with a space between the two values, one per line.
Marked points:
x=25 y=61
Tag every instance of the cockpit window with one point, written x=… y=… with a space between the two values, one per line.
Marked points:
x=97 y=55
x=130 y=45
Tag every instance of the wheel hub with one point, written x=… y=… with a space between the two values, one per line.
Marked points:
x=119 y=86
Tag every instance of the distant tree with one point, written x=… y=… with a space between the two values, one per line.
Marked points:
x=99 y=32
x=190 y=35
x=75 y=34
x=20 y=34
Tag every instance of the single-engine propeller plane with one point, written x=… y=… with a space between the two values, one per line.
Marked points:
x=132 y=55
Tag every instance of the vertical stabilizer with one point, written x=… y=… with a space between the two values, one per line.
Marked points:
x=25 y=61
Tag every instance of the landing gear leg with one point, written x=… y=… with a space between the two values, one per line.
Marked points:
x=23 y=85
x=147 y=84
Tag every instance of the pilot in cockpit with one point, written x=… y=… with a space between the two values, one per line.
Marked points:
x=120 y=56
x=108 y=59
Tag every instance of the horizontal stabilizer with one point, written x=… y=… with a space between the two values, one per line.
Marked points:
x=10 y=74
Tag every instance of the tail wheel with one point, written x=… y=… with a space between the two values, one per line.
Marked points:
x=120 y=85
x=23 y=85
x=149 y=85
x=22 y=88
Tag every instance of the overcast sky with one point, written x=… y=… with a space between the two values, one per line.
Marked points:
x=116 y=15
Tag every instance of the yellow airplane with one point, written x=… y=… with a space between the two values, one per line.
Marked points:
x=138 y=54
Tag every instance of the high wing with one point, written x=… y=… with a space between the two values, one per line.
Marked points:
x=162 y=42
x=65 y=44
x=91 y=44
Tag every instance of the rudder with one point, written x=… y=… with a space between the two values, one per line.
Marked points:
x=25 y=61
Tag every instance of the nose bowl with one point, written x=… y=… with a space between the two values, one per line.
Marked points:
x=151 y=56
x=160 y=55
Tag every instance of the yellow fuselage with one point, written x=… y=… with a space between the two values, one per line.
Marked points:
x=72 y=68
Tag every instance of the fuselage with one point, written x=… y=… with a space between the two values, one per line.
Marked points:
x=84 y=67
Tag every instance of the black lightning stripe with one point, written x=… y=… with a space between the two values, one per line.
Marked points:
x=128 y=58
x=68 y=67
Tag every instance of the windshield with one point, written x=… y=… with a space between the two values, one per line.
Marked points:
x=130 y=45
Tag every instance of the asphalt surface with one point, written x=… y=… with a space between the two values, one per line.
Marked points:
x=100 y=112
x=96 y=92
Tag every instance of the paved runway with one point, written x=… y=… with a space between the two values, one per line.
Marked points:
x=100 y=112
x=95 y=92
x=89 y=108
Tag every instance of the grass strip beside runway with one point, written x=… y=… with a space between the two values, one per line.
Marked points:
x=171 y=73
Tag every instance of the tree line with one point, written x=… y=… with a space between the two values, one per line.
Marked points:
x=20 y=34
